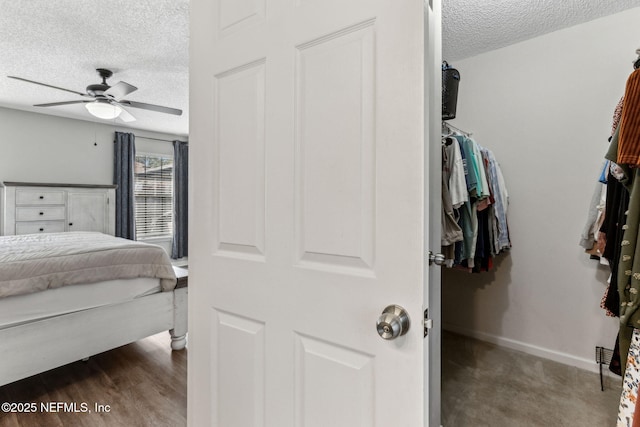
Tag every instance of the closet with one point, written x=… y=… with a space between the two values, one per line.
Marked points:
x=611 y=235
x=475 y=199
x=544 y=107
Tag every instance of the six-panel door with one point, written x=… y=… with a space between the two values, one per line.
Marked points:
x=307 y=190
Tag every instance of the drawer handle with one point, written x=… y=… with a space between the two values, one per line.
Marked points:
x=70 y=224
x=41 y=213
x=41 y=197
x=42 y=229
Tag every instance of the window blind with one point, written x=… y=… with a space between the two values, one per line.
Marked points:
x=153 y=196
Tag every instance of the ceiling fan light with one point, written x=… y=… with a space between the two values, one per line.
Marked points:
x=103 y=109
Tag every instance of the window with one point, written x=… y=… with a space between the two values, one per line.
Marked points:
x=153 y=196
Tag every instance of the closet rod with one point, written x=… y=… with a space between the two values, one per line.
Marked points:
x=158 y=139
x=450 y=126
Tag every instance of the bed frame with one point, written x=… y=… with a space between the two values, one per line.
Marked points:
x=35 y=347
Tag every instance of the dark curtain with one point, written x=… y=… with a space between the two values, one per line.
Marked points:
x=180 y=244
x=123 y=169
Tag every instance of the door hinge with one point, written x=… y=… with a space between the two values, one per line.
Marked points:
x=428 y=323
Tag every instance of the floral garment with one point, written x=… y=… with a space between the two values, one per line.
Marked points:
x=630 y=385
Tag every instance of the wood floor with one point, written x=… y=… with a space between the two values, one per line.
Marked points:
x=144 y=384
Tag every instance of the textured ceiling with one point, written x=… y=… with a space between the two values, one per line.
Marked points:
x=62 y=42
x=471 y=27
x=145 y=43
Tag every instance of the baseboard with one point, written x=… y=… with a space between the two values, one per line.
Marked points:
x=556 y=356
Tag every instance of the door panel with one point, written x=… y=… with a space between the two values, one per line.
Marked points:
x=321 y=369
x=308 y=212
x=239 y=198
x=239 y=356
x=335 y=178
x=236 y=15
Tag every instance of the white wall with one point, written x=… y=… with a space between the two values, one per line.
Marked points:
x=41 y=148
x=544 y=107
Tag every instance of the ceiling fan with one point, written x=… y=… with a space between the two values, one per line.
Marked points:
x=106 y=102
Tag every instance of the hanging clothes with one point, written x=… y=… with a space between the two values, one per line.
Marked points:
x=589 y=237
x=627 y=261
x=476 y=190
x=451 y=231
x=456 y=182
x=625 y=149
x=628 y=397
x=629 y=267
x=603 y=231
x=617 y=203
x=629 y=140
x=500 y=203
x=617 y=115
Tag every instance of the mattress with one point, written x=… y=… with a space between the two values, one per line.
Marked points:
x=37 y=262
x=19 y=309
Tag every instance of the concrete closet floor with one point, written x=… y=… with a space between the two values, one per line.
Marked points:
x=487 y=385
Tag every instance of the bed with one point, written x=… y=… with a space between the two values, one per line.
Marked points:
x=67 y=296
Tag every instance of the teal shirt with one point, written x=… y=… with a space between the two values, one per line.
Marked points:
x=470 y=165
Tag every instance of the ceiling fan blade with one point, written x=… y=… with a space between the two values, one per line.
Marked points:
x=125 y=116
x=47 y=85
x=54 y=104
x=119 y=90
x=152 y=107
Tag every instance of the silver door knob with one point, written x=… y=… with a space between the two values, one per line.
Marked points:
x=393 y=322
x=437 y=259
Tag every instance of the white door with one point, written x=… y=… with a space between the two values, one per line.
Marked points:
x=308 y=175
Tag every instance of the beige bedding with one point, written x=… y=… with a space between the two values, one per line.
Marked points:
x=36 y=262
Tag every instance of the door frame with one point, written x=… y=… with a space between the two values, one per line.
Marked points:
x=432 y=209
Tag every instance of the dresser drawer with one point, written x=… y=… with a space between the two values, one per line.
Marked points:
x=40 y=213
x=39 y=227
x=32 y=196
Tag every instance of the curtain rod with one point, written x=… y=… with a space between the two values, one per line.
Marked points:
x=158 y=139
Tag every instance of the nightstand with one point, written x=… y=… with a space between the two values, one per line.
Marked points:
x=182 y=274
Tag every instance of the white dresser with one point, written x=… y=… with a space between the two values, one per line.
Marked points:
x=51 y=208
